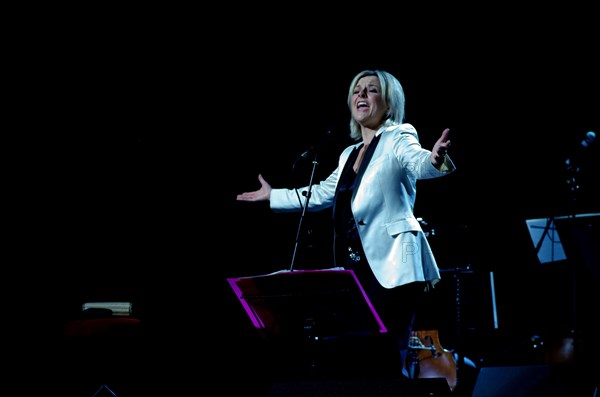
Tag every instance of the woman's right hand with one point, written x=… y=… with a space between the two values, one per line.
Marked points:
x=262 y=194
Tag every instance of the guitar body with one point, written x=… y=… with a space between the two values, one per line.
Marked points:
x=430 y=359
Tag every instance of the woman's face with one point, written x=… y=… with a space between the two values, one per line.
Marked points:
x=368 y=108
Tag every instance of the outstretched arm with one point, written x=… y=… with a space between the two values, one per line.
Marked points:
x=262 y=194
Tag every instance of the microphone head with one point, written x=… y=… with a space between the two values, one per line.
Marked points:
x=590 y=137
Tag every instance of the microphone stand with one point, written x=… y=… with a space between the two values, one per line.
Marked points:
x=304 y=209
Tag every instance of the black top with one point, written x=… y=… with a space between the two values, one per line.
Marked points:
x=346 y=233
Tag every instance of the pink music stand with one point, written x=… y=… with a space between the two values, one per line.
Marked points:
x=326 y=303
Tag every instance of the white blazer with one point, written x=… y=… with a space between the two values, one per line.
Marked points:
x=393 y=241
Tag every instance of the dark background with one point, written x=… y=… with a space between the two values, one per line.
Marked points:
x=147 y=126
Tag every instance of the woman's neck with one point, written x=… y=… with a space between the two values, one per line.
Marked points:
x=368 y=135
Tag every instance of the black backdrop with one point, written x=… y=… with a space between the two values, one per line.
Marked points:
x=146 y=131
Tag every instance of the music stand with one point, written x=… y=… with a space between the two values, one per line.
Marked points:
x=319 y=303
x=548 y=246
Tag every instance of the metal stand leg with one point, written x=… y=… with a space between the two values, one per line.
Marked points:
x=413 y=364
x=104 y=391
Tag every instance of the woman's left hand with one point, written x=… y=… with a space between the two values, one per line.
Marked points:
x=440 y=149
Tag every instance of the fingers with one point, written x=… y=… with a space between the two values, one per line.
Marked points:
x=445 y=135
x=442 y=145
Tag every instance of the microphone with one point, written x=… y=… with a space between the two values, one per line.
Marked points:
x=584 y=146
x=573 y=164
x=316 y=147
x=305 y=153
x=590 y=137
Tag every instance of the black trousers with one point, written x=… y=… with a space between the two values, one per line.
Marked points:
x=396 y=307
